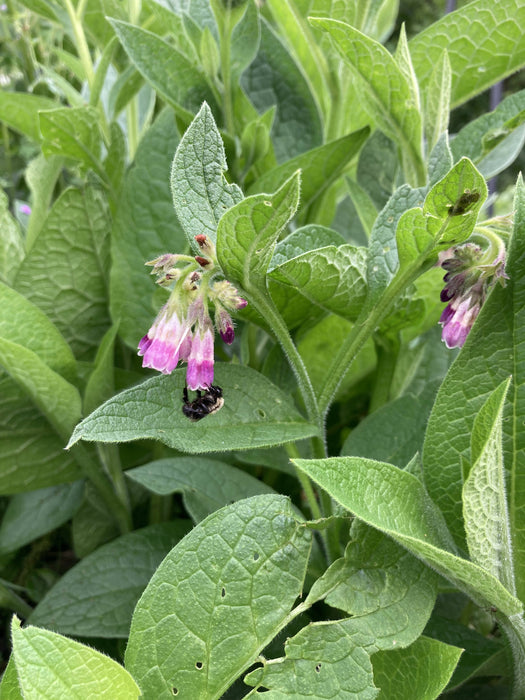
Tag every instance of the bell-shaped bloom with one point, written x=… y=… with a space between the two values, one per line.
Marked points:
x=167 y=342
x=457 y=322
x=199 y=374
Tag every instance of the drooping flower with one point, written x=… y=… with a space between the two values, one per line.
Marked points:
x=183 y=330
x=470 y=274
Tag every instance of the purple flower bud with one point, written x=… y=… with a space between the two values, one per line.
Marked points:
x=224 y=324
x=25 y=209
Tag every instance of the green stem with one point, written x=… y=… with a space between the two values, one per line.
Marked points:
x=132 y=119
x=110 y=458
x=305 y=482
x=81 y=41
x=363 y=328
x=159 y=508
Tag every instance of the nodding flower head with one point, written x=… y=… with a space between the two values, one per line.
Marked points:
x=470 y=274
x=183 y=330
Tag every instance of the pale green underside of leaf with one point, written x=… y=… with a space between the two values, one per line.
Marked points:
x=395 y=502
x=256 y=413
x=217 y=599
x=96 y=597
x=206 y=484
x=52 y=666
x=484 y=41
x=20 y=112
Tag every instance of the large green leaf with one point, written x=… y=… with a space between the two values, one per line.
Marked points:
x=421 y=671
x=96 y=597
x=484 y=44
x=385 y=90
x=24 y=323
x=167 y=70
x=248 y=232
x=395 y=502
x=200 y=191
x=9 y=687
x=34 y=514
x=217 y=599
x=73 y=133
x=49 y=665
x=332 y=278
x=319 y=167
x=256 y=413
x=65 y=272
x=274 y=78
x=492 y=352
x=144 y=227
x=206 y=484
x=31 y=455
x=20 y=111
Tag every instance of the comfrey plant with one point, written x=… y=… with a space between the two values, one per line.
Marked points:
x=289 y=485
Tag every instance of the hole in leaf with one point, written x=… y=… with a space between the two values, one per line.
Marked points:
x=223 y=593
x=318 y=667
x=255 y=556
x=174 y=691
x=261 y=413
x=268 y=204
x=198 y=665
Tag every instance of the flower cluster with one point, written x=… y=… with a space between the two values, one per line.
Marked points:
x=183 y=330
x=470 y=274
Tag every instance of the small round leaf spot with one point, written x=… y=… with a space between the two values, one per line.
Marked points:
x=267 y=203
x=261 y=413
x=318 y=667
x=255 y=556
x=223 y=593
x=174 y=691
x=198 y=665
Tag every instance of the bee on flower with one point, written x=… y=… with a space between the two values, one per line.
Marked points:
x=183 y=330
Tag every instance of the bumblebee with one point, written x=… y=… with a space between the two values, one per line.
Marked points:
x=205 y=404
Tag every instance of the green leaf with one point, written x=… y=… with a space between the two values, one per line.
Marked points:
x=24 y=323
x=200 y=191
x=385 y=90
x=274 y=78
x=504 y=153
x=245 y=40
x=96 y=597
x=167 y=70
x=256 y=413
x=440 y=160
x=437 y=101
x=378 y=168
x=12 y=248
x=92 y=524
x=57 y=399
x=421 y=671
x=484 y=44
x=217 y=599
x=49 y=665
x=74 y=246
x=144 y=227
x=382 y=254
x=491 y=353
x=9 y=687
x=331 y=277
x=319 y=167
x=20 y=112
x=485 y=510
x=41 y=176
x=205 y=484
x=31 y=455
x=30 y=515
x=396 y=503
x=248 y=232
x=376 y=573
x=301 y=42
x=72 y=132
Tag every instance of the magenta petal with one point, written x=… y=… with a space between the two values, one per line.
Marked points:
x=199 y=374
